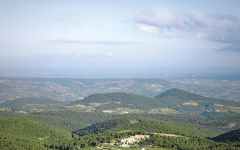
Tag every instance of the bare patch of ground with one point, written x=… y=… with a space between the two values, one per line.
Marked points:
x=190 y=103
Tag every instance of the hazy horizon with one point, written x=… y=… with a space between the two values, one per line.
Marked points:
x=227 y=73
x=118 y=38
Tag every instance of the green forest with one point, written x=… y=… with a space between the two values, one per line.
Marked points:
x=41 y=124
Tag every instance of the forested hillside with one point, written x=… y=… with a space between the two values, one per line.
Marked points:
x=231 y=136
x=146 y=125
x=174 y=97
x=175 y=119
x=121 y=99
x=21 y=132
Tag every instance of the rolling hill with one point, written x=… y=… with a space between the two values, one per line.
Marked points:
x=138 y=124
x=231 y=136
x=173 y=101
x=180 y=96
x=139 y=132
x=186 y=101
x=118 y=99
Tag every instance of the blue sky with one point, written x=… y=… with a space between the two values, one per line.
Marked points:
x=100 y=37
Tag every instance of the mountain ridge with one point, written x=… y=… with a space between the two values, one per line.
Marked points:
x=180 y=99
x=120 y=98
x=231 y=136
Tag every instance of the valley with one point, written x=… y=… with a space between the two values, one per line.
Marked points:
x=173 y=118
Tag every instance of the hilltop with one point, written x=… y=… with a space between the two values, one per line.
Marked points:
x=173 y=101
x=138 y=124
x=118 y=99
x=186 y=101
x=178 y=96
x=135 y=132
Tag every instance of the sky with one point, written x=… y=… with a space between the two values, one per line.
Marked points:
x=118 y=38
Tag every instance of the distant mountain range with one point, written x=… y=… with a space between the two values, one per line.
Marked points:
x=173 y=99
x=70 y=89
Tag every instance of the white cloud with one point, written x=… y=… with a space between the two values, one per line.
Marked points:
x=147 y=28
x=212 y=27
